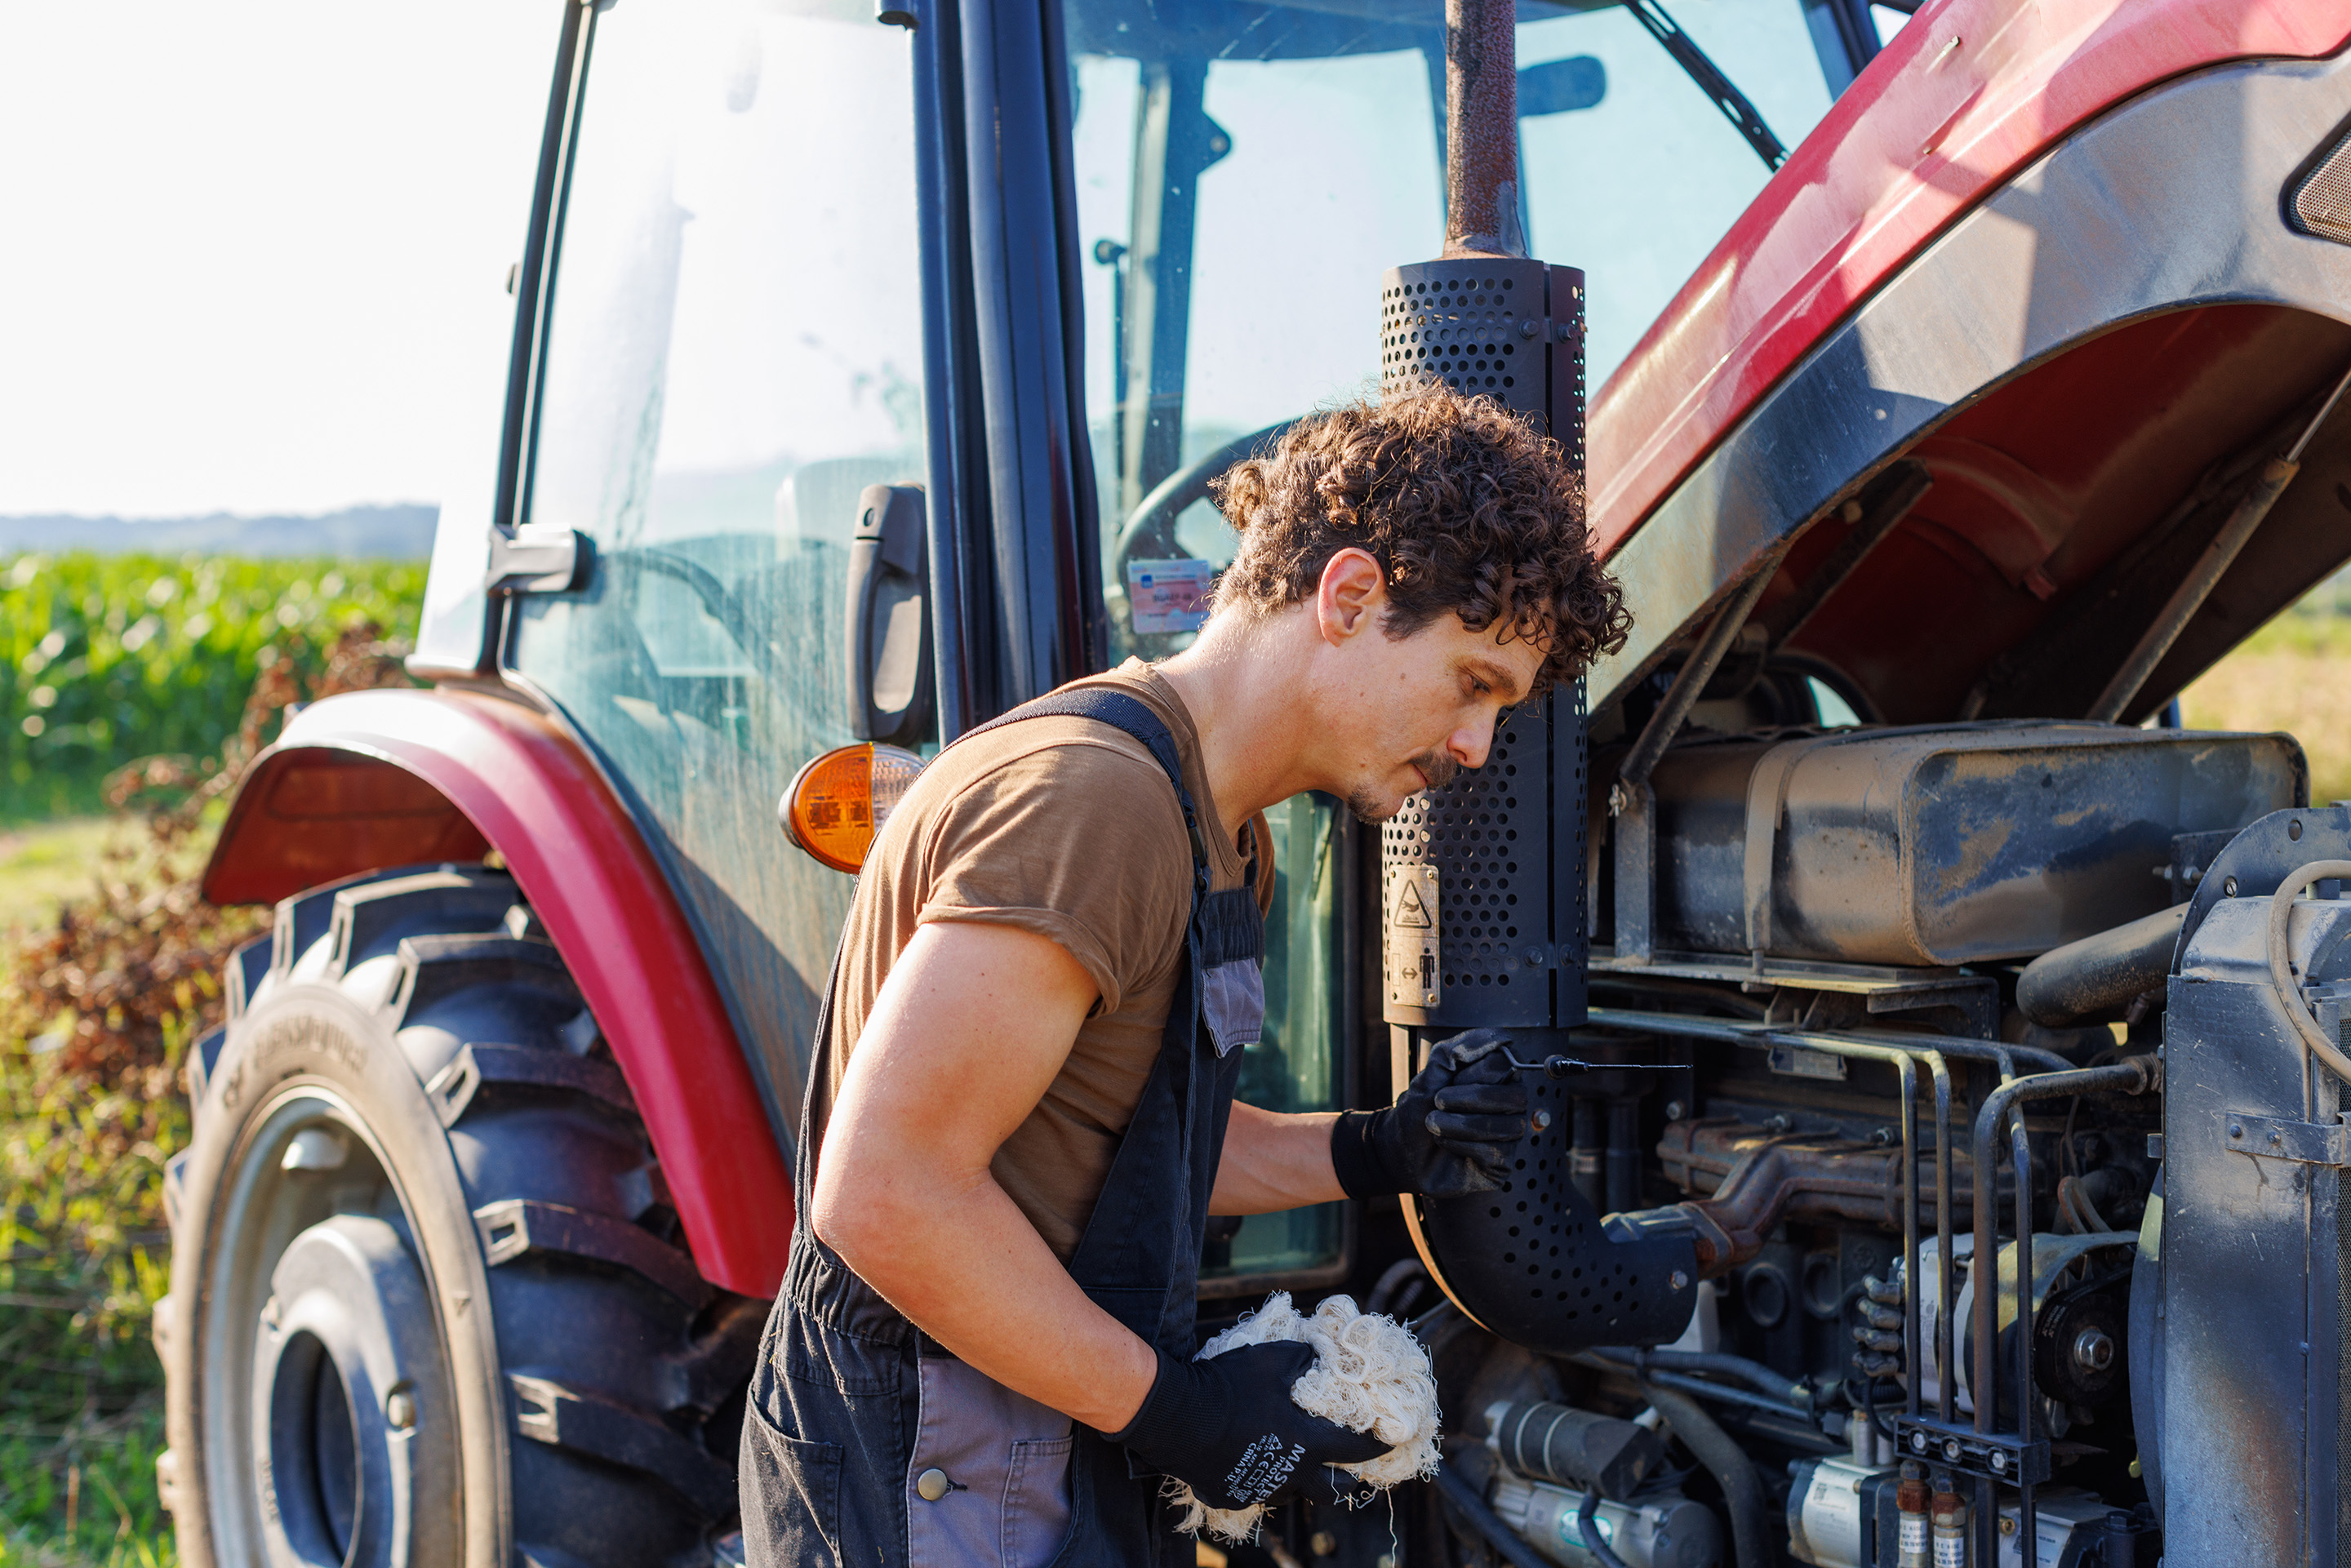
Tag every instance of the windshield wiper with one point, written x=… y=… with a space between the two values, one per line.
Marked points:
x=1733 y=103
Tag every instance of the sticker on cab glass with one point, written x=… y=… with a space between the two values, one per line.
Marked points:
x=1412 y=942
x=1168 y=595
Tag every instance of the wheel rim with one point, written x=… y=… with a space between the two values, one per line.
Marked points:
x=327 y=1419
x=314 y=1473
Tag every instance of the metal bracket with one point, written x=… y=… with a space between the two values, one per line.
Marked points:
x=537 y=558
x=2279 y=1138
x=1993 y=1456
x=1634 y=807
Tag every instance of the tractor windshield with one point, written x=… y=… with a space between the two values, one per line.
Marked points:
x=1246 y=172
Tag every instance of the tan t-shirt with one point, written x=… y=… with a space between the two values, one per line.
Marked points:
x=1068 y=829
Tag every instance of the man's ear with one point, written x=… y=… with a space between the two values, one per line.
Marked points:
x=1352 y=596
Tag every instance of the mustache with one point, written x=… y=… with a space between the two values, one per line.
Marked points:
x=1438 y=768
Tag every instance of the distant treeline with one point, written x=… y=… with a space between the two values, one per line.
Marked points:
x=376 y=533
x=108 y=658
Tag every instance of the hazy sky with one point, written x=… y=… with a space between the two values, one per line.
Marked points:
x=253 y=247
x=255 y=251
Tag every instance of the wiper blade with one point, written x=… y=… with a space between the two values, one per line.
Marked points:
x=1733 y=103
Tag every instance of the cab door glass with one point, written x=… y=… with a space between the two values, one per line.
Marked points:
x=1299 y=1063
x=735 y=352
x=1245 y=173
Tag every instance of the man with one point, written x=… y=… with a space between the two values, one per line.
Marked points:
x=1021 y=1112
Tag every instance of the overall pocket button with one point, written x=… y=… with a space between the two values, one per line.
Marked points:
x=933 y=1484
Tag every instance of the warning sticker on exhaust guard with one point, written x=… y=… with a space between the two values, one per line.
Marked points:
x=1414 y=972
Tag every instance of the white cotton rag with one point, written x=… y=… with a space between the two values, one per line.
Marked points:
x=1369 y=1375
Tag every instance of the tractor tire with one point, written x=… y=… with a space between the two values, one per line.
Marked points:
x=429 y=1305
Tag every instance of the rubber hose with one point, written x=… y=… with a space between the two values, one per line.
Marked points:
x=1753 y=1373
x=1486 y=1522
x=1742 y=1491
x=1589 y=1530
x=2099 y=975
x=2282 y=967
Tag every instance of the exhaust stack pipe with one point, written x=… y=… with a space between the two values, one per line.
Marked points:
x=1481 y=129
x=1482 y=882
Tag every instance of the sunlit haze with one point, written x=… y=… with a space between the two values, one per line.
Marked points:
x=257 y=250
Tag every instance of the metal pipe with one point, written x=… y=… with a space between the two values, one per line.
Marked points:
x=1481 y=129
x=1624 y=1154
x=1763 y=1035
x=1907 y=1074
x=2194 y=588
x=2218 y=556
x=1946 y=1325
x=1583 y=1153
x=2020 y=1146
x=1631 y=803
x=1903 y=1052
x=2135 y=1076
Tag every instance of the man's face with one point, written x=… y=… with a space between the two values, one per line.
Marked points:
x=1414 y=711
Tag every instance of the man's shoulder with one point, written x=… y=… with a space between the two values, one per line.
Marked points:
x=1071 y=750
x=1058 y=772
x=1059 y=751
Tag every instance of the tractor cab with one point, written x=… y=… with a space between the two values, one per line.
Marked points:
x=774 y=279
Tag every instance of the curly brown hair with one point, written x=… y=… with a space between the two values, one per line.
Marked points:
x=1466 y=508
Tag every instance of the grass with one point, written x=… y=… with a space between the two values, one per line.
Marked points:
x=2293 y=674
x=84 y=1245
x=84 y=1255
x=44 y=865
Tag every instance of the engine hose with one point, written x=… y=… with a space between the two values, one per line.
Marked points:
x=2281 y=965
x=1486 y=1522
x=1589 y=1530
x=1742 y=1492
x=1738 y=1368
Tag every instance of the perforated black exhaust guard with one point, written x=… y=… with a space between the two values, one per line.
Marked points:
x=1537 y=1264
x=1482 y=887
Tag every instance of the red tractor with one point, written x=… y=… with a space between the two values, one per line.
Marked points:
x=1867 y=916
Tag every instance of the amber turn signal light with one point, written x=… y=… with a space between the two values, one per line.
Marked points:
x=838 y=801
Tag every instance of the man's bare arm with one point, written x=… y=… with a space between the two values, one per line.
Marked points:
x=1274 y=1161
x=963 y=1041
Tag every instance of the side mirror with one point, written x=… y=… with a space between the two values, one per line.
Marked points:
x=888 y=629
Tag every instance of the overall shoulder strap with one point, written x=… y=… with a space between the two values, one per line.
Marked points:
x=1132 y=716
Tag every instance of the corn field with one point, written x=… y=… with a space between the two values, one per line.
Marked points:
x=106 y=658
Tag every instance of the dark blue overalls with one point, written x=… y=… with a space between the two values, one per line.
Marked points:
x=867 y=1443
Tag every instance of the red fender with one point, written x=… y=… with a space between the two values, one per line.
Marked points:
x=391 y=777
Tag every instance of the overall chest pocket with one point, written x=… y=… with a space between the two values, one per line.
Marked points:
x=1232 y=1000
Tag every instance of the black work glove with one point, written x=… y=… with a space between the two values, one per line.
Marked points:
x=1449 y=1134
x=1228 y=1428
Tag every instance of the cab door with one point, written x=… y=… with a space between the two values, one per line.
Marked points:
x=734 y=348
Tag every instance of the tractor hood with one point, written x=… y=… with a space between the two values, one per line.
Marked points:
x=2049 y=287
